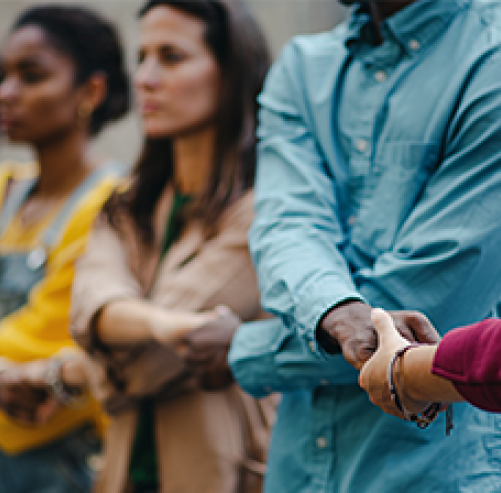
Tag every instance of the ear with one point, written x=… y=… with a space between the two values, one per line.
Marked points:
x=93 y=92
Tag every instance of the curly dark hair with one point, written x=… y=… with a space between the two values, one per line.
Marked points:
x=238 y=45
x=92 y=43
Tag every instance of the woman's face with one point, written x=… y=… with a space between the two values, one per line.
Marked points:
x=38 y=99
x=177 y=81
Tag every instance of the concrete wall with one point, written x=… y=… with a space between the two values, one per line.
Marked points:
x=280 y=20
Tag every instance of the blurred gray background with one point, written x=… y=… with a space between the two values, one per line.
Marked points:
x=280 y=19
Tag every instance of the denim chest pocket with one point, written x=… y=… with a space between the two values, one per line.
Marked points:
x=397 y=177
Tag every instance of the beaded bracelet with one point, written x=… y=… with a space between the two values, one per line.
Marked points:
x=426 y=417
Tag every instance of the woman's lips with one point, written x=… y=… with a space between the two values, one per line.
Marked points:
x=147 y=108
x=8 y=121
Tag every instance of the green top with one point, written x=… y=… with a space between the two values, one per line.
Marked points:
x=143 y=466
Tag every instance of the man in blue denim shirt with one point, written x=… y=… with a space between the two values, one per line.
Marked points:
x=379 y=184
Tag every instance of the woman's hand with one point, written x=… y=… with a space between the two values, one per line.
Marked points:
x=374 y=374
x=205 y=350
x=171 y=327
x=24 y=394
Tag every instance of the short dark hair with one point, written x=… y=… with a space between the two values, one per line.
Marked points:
x=93 y=45
x=241 y=52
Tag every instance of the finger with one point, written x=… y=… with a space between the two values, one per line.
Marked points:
x=197 y=358
x=363 y=376
x=47 y=410
x=181 y=349
x=21 y=414
x=223 y=310
x=24 y=396
x=405 y=331
x=383 y=323
x=389 y=330
x=423 y=328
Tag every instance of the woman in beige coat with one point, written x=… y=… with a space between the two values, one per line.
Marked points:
x=168 y=249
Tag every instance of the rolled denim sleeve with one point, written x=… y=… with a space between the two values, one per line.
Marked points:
x=445 y=260
x=296 y=234
x=267 y=357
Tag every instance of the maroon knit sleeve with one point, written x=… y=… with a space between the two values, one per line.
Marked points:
x=470 y=357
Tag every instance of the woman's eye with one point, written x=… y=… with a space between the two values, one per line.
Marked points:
x=171 y=57
x=31 y=77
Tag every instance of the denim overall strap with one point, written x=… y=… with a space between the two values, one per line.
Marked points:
x=51 y=235
x=17 y=195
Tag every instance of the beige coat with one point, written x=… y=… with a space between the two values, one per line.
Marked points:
x=208 y=442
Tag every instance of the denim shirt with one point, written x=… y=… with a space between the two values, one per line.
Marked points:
x=379 y=179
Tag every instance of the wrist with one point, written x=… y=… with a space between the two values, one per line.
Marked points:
x=54 y=380
x=401 y=381
x=73 y=374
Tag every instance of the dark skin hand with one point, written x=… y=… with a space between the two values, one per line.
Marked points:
x=24 y=396
x=348 y=328
x=205 y=351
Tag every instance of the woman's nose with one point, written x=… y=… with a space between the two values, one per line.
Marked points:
x=147 y=75
x=9 y=89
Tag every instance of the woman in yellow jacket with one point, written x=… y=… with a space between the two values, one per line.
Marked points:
x=62 y=79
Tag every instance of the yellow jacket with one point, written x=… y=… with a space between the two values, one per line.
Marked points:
x=40 y=329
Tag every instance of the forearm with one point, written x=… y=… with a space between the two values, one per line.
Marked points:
x=416 y=380
x=132 y=321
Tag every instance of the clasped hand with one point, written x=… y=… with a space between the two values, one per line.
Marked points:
x=374 y=374
x=204 y=347
x=205 y=350
x=24 y=394
x=359 y=339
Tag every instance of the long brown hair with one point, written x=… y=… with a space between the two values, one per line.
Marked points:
x=241 y=53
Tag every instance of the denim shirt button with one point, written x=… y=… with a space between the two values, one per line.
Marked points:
x=380 y=76
x=361 y=145
x=414 y=45
x=312 y=346
x=321 y=442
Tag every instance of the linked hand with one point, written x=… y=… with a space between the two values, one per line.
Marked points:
x=349 y=327
x=374 y=374
x=205 y=350
x=24 y=394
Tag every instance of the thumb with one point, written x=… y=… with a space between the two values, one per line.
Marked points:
x=383 y=323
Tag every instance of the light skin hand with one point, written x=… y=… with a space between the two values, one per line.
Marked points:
x=170 y=329
x=374 y=374
x=415 y=382
x=349 y=325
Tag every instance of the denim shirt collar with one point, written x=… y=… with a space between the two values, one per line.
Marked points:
x=413 y=27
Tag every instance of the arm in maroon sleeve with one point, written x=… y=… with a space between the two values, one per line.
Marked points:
x=470 y=357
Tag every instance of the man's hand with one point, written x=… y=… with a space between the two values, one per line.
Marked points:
x=24 y=394
x=349 y=326
x=205 y=351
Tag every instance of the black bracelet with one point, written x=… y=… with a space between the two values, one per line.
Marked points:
x=425 y=418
